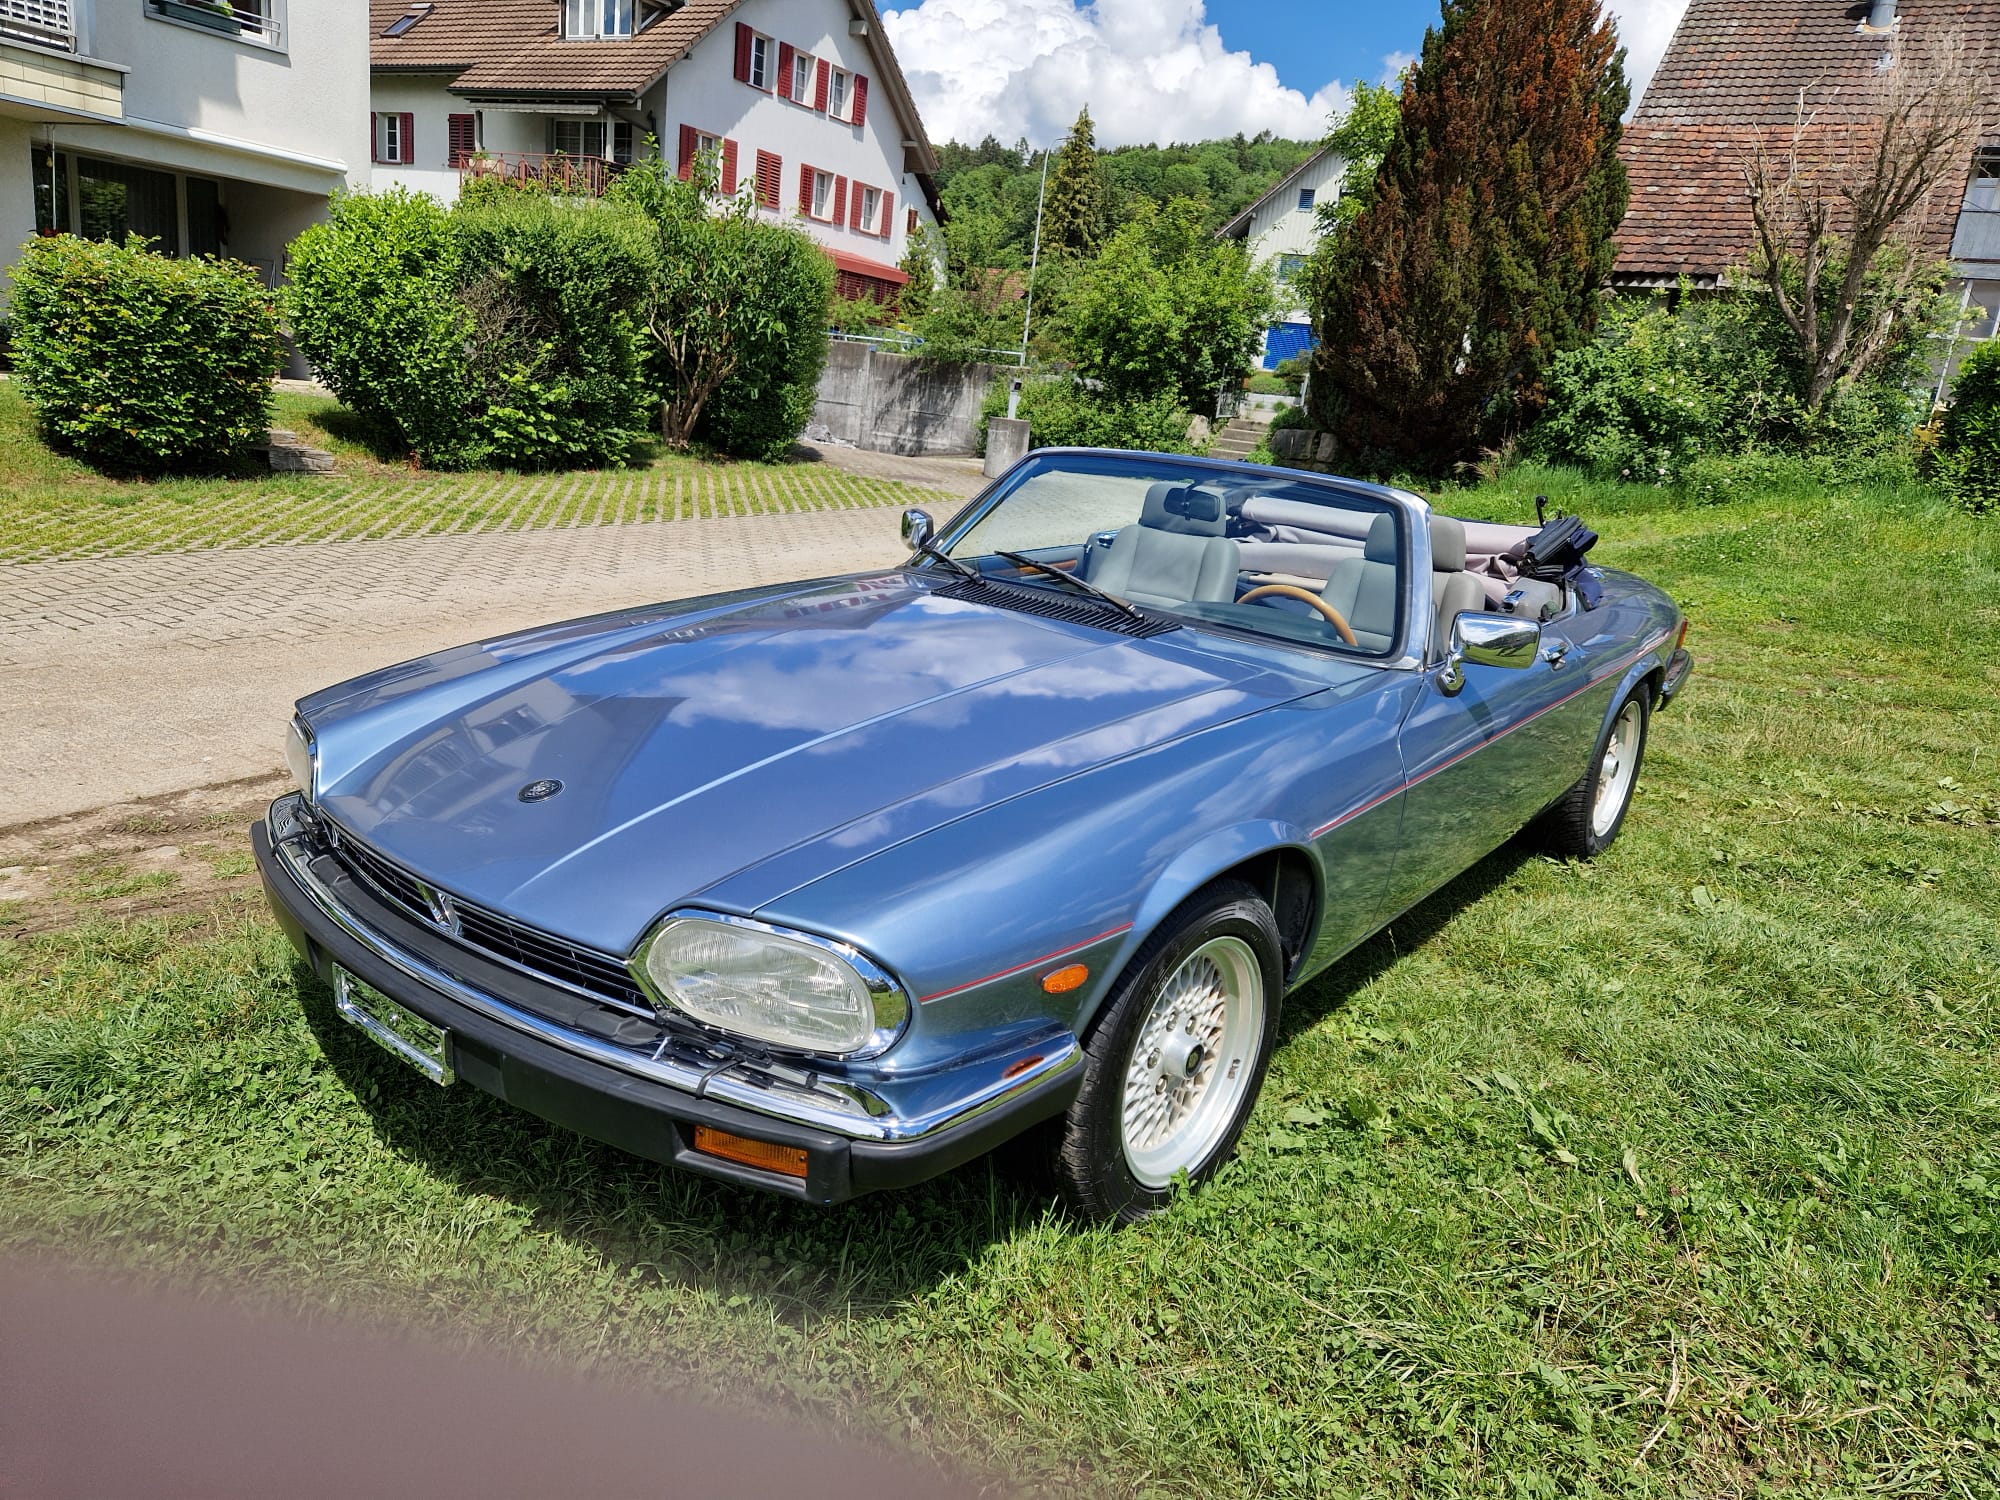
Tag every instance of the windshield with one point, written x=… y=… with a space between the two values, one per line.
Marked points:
x=1298 y=560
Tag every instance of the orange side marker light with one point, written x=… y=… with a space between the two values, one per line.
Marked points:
x=767 y=1156
x=1064 y=980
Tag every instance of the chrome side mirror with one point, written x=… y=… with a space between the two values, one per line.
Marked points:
x=918 y=528
x=1489 y=641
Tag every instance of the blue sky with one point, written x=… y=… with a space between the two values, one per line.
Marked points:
x=1308 y=43
x=1171 y=70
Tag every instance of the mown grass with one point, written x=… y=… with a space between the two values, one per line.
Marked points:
x=1675 y=1174
x=52 y=506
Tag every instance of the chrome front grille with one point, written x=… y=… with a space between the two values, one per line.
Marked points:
x=601 y=976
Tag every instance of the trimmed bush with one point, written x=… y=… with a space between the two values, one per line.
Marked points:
x=555 y=359
x=140 y=362
x=1966 y=461
x=500 y=332
x=372 y=303
x=764 y=404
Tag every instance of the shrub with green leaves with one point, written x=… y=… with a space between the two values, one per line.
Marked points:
x=1966 y=462
x=555 y=359
x=141 y=362
x=499 y=332
x=1062 y=412
x=1667 y=391
x=373 y=304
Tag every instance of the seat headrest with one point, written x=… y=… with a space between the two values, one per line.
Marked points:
x=1382 y=546
x=1188 y=509
x=1447 y=544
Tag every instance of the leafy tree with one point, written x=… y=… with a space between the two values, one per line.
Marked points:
x=1167 y=309
x=920 y=264
x=731 y=296
x=1360 y=138
x=1073 y=220
x=1490 y=234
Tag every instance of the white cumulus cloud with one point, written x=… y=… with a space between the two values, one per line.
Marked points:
x=1150 y=71
x=1645 y=26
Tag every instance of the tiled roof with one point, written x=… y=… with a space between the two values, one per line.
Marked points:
x=1734 y=75
x=516 y=48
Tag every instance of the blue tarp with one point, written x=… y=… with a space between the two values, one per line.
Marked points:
x=1285 y=341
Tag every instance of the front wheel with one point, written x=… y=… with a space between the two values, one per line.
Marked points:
x=1583 y=824
x=1175 y=1063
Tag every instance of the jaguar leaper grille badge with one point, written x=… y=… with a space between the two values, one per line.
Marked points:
x=540 y=791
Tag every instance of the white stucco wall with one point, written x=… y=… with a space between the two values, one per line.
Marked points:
x=17 y=192
x=424 y=96
x=1280 y=227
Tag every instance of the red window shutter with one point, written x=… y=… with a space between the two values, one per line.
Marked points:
x=787 y=56
x=910 y=224
x=860 y=99
x=460 y=141
x=839 y=199
x=769 y=180
x=409 y=140
x=854 y=205
x=806 y=191
x=728 y=169
x=744 y=36
x=375 y=137
x=825 y=83
x=888 y=229
x=690 y=147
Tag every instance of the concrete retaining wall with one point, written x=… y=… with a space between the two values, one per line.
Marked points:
x=892 y=403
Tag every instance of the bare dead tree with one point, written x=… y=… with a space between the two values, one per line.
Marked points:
x=1841 y=205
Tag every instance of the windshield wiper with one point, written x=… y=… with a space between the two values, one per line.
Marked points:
x=1073 y=581
x=964 y=570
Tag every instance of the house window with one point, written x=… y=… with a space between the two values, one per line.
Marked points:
x=591 y=20
x=1307 y=197
x=1290 y=266
x=868 y=215
x=840 y=93
x=1978 y=236
x=607 y=140
x=805 y=68
x=394 y=139
x=822 y=195
x=760 y=63
x=107 y=200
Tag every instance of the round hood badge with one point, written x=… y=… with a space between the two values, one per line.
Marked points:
x=540 y=791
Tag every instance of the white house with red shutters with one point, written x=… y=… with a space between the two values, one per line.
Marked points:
x=801 y=103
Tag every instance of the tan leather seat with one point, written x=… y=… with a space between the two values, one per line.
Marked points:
x=1453 y=590
x=1363 y=588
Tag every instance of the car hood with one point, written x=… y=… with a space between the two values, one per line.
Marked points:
x=821 y=724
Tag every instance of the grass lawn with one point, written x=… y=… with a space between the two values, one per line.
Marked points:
x=53 y=507
x=1678 y=1174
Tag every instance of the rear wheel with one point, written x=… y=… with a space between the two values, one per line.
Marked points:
x=1175 y=1063
x=1585 y=822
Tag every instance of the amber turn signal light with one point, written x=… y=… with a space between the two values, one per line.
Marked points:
x=1064 y=980
x=764 y=1155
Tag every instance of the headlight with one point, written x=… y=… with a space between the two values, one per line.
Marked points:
x=788 y=988
x=302 y=757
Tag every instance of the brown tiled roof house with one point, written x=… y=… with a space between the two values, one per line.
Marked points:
x=798 y=104
x=1734 y=76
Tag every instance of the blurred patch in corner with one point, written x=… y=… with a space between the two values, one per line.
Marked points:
x=110 y=1389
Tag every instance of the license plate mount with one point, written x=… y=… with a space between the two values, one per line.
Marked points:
x=394 y=1027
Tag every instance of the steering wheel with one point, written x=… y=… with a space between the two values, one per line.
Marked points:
x=1290 y=591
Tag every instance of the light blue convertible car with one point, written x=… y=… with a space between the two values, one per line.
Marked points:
x=833 y=886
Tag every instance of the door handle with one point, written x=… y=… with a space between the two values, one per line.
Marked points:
x=1554 y=655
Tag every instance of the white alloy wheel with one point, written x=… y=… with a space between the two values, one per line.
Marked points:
x=1193 y=1061
x=1616 y=770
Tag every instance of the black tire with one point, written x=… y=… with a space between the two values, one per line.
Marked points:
x=1092 y=1172
x=1569 y=829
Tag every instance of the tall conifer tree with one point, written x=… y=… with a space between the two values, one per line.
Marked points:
x=1490 y=236
x=1073 y=219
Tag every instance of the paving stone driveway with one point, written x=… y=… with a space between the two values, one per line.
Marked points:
x=134 y=676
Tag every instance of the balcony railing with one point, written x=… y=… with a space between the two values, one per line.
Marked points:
x=577 y=176
x=249 y=19
x=46 y=23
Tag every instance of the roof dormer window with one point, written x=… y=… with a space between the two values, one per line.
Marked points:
x=597 y=20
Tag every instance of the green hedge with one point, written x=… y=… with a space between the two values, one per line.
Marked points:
x=499 y=332
x=1062 y=412
x=1966 y=462
x=140 y=362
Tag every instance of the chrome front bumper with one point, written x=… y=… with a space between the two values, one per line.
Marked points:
x=305 y=884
